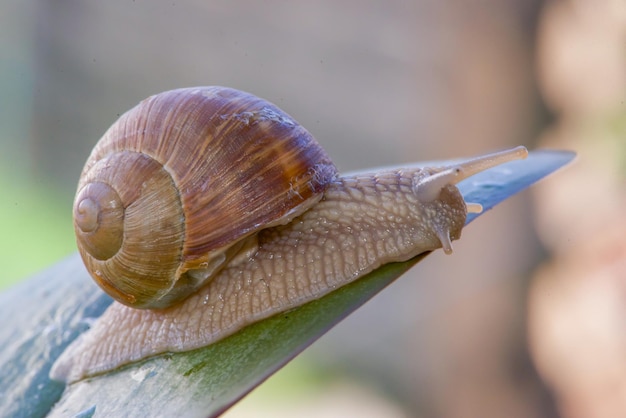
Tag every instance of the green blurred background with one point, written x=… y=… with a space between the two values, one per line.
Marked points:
x=35 y=209
x=377 y=82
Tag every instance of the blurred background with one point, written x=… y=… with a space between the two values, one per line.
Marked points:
x=526 y=319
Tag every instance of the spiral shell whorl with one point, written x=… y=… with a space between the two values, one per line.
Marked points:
x=99 y=220
x=136 y=247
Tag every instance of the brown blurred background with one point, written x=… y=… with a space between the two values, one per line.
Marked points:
x=526 y=319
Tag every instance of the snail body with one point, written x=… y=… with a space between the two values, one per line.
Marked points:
x=350 y=225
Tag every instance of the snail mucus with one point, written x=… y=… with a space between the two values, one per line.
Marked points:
x=203 y=210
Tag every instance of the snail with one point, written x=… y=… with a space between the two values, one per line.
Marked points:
x=203 y=210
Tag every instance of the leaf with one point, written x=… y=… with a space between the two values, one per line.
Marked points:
x=44 y=314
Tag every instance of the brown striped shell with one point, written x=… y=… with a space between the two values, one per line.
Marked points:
x=176 y=186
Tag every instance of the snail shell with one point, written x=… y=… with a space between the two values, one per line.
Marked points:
x=353 y=225
x=175 y=188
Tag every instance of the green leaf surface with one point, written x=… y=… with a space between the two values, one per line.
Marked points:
x=42 y=315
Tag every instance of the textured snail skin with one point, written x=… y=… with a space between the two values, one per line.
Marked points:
x=361 y=223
